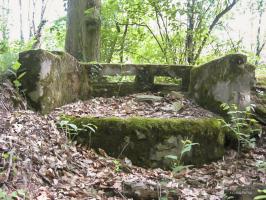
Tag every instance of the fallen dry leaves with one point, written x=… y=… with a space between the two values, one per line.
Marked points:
x=38 y=158
x=128 y=106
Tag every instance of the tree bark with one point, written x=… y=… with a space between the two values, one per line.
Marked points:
x=83 y=29
x=38 y=31
x=21 y=21
x=260 y=44
x=190 y=32
x=211 y=27
x=4 y=17
x=121 y=54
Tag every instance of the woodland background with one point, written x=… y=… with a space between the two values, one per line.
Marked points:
x=142 y=31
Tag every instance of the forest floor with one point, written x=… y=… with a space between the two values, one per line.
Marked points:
x=37 y=160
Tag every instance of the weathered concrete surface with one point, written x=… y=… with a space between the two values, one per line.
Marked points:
x=52 y=79
x=144 y=73
x=147 y=141
x=259 y=98
x=228 y=79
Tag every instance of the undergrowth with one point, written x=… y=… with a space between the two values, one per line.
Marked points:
x=178 y=165
x=242 y=125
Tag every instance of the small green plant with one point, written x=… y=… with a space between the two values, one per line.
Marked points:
x=71 y=130
x=19 y=194
x=177 y=160
x=261 y=196
x=242 y=125
x=261 y=165
x=91 y=128
x=117 y=165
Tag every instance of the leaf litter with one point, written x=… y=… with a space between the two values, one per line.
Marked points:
x=38 y=160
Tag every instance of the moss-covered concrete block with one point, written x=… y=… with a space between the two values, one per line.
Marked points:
x=147 y=141
x=144 y=73
x=228 y=79
x=52 y=79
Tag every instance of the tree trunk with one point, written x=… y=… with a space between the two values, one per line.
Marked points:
x=121 y=54
x=4 y=15
x=190 y=32
x=260 y=43
x=83 y=29
x=20 y=21
x=38 y=31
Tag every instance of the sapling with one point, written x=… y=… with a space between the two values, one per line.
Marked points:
x=91 y=128
x=71 y=130
x=68 y=128
x=186 y=148
x=241 y=124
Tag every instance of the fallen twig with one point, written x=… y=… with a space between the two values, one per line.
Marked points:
x=9 y=165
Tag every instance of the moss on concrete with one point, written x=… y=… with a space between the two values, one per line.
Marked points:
x=140 y=138
x=52 y=79
x=227 y=79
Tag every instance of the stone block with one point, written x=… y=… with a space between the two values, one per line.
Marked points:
x=52 y=79
x=225 y=80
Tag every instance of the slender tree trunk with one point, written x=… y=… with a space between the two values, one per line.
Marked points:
x=29 y=19
x=260 y=44
x=113 y=44
x=83 y=29
x=190 y=32
x=33 y=16
x=123 y=42
x=215 y=21
x=4 y=17
x=38 y=31
x=21 y=22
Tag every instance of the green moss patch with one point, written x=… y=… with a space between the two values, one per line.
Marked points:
x=261 y=81
x=147 y=141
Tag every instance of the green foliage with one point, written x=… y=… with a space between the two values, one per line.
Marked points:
x=117 y=166
x=177 y=160
x=68 y=128
x=71 y=130
x=9 y=57
x=54 y=36
x=261 y=165
x=262 y=196
x=154 y=31
x=90 y=128
x=242 y=125
x=9 y=155
x=19 y=194
x=89 y=11
x=168 y=80
x=120 y=79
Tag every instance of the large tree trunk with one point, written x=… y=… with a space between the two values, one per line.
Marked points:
x=83 y=29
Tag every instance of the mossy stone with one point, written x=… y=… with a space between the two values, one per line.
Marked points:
x=139 y=139
x=225 y=80
x=52 y=79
